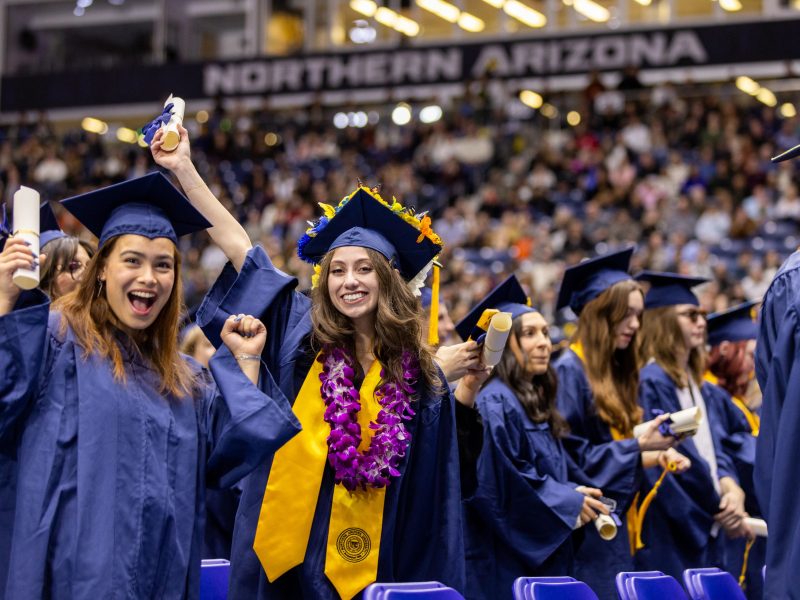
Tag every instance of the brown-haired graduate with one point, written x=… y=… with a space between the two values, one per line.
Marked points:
x=370 y=490
x=67 y=256
x=681 y=527
x=598 y=386
x=527 y=502
x=114 y=433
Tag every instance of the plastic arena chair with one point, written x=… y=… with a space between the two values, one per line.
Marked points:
x=214 y=575
x=690 y=580
x=521 y=586
x=622 y=581
x=719 y=586
x=444 y=593
x=571 y=590
x=378 y=591
x=663 y=587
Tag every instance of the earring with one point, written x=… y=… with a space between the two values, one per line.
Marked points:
x=100 y=287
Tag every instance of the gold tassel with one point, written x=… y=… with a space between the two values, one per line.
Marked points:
x=646 y=504
x=743 y=574
x=433 y=323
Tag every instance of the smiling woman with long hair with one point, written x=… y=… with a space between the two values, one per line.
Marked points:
x=527 y=499
x=115 y=432
x=370 y=490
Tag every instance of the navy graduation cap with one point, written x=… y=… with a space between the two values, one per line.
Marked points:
x=507 y=297
x=364 y=219
x=149 y=206
x=733 y=325
x=48 y=225
x=669 y=289
x=587 y=280
x=787 y=155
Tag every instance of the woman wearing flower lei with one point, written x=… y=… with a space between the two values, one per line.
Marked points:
x=370 y=490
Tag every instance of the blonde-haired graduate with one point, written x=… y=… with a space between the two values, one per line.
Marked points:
x=692 y=509
x=115 y=434
x=370 y=490
x=597 y=394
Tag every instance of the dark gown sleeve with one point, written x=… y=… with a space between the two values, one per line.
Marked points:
x=729 y=429
x=469 y=429
x=262 y=290
x=688 y=499
x=23 y=345
x=613 y=466
x=245 y=423
x=529 y=511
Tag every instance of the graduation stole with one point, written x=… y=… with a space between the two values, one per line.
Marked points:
x=635 y=515
x=753 y=420
x=290 y=498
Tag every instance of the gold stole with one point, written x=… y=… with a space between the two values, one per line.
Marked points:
x=292 y=492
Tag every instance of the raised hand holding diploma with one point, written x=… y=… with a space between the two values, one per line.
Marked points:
x=26 y=227
x=16 y=255
x=168 y=121
x=456 y=361
x=496 y=337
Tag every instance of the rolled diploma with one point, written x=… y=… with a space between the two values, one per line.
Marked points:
x=172 y=137
x=758 y=526
x=683 y=421
x=26 y=227
x=496 y=337
x=605 y=527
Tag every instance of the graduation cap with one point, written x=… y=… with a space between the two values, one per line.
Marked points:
x=149 y=206
x=669 y=289
x=507 y=297
x=788 y=154
x=587 y=280
x=364 y=219
x=48 y=225
x=733 y=325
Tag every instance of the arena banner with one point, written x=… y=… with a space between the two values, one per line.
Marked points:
x=539 y=56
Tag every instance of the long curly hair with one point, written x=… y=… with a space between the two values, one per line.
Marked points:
x=536 y=393
x=399 y=323
x=613 y=374
x=96 y=328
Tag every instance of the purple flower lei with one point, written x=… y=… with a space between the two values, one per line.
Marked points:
x=379 y=463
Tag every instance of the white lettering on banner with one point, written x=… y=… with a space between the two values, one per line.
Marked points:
x=437 y=65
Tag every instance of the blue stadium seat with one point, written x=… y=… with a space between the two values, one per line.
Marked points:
x=622 y=581
x=572 y=590
x=443 y=593
x=690 y=580
x=719 y=586
x=662 y=587
x=521 y=587
x=378 y=591
x=214 y=575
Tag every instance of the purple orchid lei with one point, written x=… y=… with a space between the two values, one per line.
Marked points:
x=379 y=463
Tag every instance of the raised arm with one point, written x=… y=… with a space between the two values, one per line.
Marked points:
x=225 y=230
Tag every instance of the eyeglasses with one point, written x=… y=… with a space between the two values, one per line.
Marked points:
x=75 y=269
x=693 y=314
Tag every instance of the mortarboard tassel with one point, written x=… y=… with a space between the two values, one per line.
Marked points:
x=433 y=323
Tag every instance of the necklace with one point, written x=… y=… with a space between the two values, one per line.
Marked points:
x=379 y=463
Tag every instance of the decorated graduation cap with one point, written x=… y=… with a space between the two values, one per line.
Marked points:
x=48 y=225
x=366 y=220
x=149 y=206
x=669 y=289
x=587 y=280
x=507 y=297
x=733 y=325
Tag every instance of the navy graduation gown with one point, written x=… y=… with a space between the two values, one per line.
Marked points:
x=777 y=470
x=613 y=466
x=521 y=516
x=422 y=536
x=109 y=499
x=677 y=528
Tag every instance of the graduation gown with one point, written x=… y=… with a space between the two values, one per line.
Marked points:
x=677 y=529
x=109 y=499
x=422 y=536
x=739 y=444
x=777 y=470
x=613 y=466
x=521 y=516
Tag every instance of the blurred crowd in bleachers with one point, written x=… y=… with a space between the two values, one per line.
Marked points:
x=682 y=172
